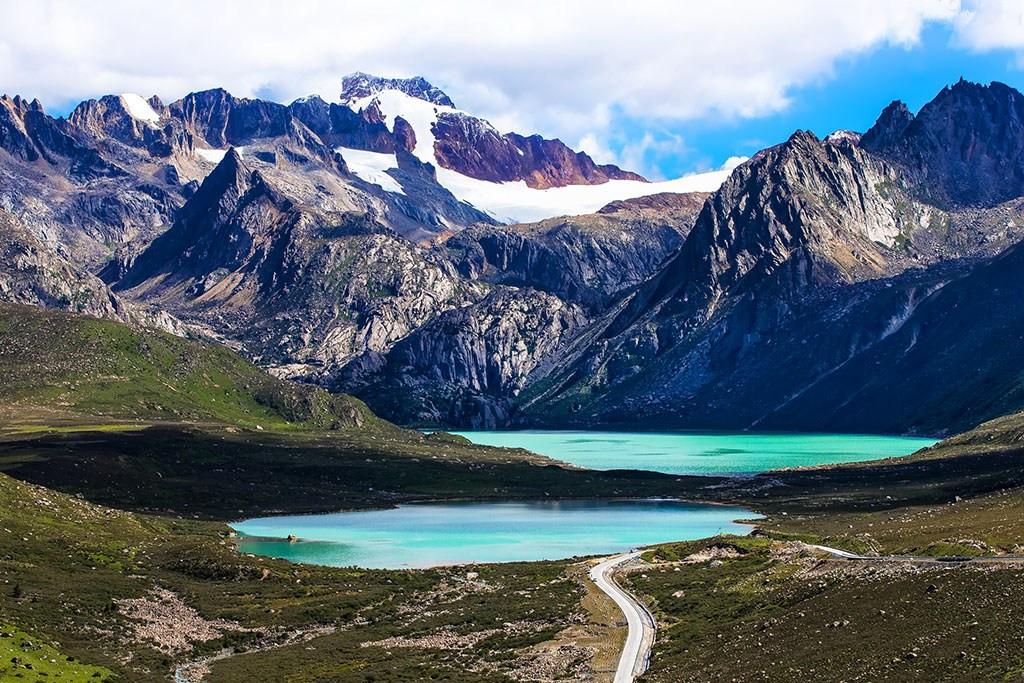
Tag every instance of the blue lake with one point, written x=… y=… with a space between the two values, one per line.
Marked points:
x=701 y=452
x=432 y=534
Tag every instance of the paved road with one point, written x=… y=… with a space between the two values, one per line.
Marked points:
x=641 y=625
x=640 y=636
x=839 y=553
x=979 y=559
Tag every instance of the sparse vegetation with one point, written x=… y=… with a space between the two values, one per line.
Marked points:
x=150 y=423
x=80 y=567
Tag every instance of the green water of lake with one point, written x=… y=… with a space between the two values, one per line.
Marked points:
x=701 y=452
x=433 y=534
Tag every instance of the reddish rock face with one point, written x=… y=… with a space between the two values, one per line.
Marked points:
x=405 y=136
x=473 y=147
x=663 y=201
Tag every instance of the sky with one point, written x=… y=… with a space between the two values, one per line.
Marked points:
x=663 y=88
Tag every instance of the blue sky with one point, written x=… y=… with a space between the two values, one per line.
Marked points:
x=851 y=98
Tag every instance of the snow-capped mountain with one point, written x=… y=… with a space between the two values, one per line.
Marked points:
x=511 y=177
x=354 y=243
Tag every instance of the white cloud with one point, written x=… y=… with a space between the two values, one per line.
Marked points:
x=597 y=150
x=990 y=25
x=733 y=162
x=566 y=69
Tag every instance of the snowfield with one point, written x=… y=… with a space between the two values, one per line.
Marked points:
x=516 y=202
x=139 y=108
x=371 y=167
x=214 y=156
x=510 y=202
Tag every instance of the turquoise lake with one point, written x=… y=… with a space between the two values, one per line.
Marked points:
x=434 y=534
x=701 y=452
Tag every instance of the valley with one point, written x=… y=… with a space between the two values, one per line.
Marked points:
x=119 y=571
x=365 y=389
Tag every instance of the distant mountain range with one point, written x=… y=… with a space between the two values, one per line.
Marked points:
x=860 y=282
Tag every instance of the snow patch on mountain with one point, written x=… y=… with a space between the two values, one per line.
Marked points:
x=420 y=114
x=372 y=167
x=214 y=156
x=516 y=202
x=139 y=108
x=510 y=202
x=843 y=136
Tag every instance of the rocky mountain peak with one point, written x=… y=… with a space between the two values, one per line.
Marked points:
x=21 y=104
x=966 y=145
x=359 y=85
x=230 y=178
x=889 y=127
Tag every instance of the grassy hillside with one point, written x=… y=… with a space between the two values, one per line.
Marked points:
x=754 y=609
x=225 y=473
x=91 y=593
x=142 y=420
x=54 y=364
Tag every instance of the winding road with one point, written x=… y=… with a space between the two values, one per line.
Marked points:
x=945 y=560
x=640 y=636
x=641 y=624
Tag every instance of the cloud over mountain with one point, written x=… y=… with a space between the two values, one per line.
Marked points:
x=567 y=69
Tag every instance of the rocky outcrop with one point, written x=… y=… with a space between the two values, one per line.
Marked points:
x=221 y=120
x=586 y=260
x=215 y=229
x=466 y=366
x=359 y=85
x=889 y=128
x=966 y=146
x=340 y=126
x=110 y=119
x=682 y=207
x=474 y=148
x=32 y=274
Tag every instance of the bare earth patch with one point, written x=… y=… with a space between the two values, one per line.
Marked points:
x=447 y=639
x=711 y=554
x=165 y=621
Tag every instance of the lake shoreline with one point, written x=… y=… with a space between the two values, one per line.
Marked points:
x=462 y=533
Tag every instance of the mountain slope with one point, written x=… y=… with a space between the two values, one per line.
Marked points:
x=298 y=287
x=552 y=279
x=63 y=366
x=590 y=260
x=802 y=265
x=30 y=273
x=966 y=146
x=948 y=363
